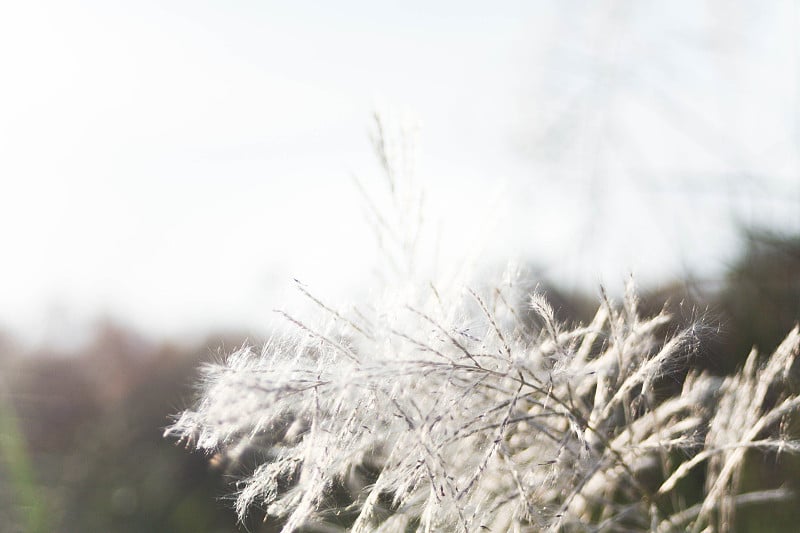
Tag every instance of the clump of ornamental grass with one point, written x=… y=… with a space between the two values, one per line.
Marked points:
x=448 y=409
x=472 y=420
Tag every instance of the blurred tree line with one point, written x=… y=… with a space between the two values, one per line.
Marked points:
x=89 y=424
x=92 y=426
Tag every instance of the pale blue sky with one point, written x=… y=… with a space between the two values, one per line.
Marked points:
x=175 y=164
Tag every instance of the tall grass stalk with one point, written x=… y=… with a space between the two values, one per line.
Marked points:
x=21 y=477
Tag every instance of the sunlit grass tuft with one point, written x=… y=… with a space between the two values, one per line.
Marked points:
x=454 y=408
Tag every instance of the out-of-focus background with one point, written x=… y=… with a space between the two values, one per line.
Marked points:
x=167 y=169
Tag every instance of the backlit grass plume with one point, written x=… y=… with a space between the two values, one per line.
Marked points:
x=455 y=415
x=461 y=409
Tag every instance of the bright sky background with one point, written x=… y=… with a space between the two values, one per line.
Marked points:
x=176 y=164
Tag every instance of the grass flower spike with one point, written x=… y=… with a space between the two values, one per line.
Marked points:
x=466 y=409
